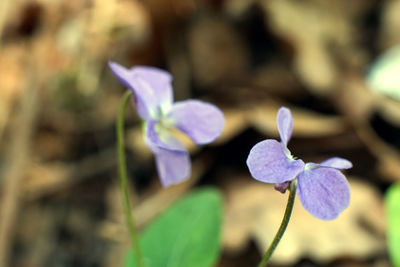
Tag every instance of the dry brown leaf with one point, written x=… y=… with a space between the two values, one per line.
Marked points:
x=390 y=109
x=354 y=88
x=217 y=52
x=359 y=113
x=254 y=210
x=36 y=231
x=315 y=66
x=274 y=78
x=45 y=177
x=389 y=34
x=237 y=8
x=306 y=123
x=388 y=156
x=310 y=26
x=235 y=123
x=48 y=177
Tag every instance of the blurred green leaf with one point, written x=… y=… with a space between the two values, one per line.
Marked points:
x=392 y=203
x=383 y=76
x=187 y=234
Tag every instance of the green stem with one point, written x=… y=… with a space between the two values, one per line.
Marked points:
x=284 y=224
x=124 y=180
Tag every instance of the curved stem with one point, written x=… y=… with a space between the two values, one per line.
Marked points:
x=284 y=224
x=124 y=180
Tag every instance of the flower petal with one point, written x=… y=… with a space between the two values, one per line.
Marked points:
x=268 y=163
x=172 y=159
x=323 y=192
x=284 y=120
x=202 y=122
x=337 y=163
x=151 y=86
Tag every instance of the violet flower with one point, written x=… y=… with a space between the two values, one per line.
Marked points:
x=201 y=121
x=322 y=189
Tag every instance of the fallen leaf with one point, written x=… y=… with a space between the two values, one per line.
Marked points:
x=307 y=123
x=217 y=52
x=389 y=33
x=254 y=211
x=312 y=29
x=359 y=114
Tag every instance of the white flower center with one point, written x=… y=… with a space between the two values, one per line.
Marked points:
x=288 y=154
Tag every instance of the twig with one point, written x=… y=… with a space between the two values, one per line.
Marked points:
x=14 y=173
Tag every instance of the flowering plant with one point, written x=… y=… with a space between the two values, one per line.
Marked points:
x=322 y=189
x=153 y=96
x=151 y=90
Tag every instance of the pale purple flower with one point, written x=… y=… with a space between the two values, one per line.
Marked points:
x=201 y=121
x=322 y=189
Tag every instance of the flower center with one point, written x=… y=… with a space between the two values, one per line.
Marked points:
x=164 y=126
x=288 y=154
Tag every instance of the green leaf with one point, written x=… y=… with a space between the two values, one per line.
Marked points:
x=392 y=205
x=187 y=234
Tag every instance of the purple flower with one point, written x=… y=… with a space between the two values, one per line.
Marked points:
x=201 y=121
x=322 y=189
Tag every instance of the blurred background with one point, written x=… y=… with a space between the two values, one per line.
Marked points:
x=60 y=203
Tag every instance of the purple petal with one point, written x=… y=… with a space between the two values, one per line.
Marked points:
x=284 y=120
x=337 y=163
x=268 y=163
x=323 y=192
x=172 y=159
x=151 y=86
x=201 y=121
